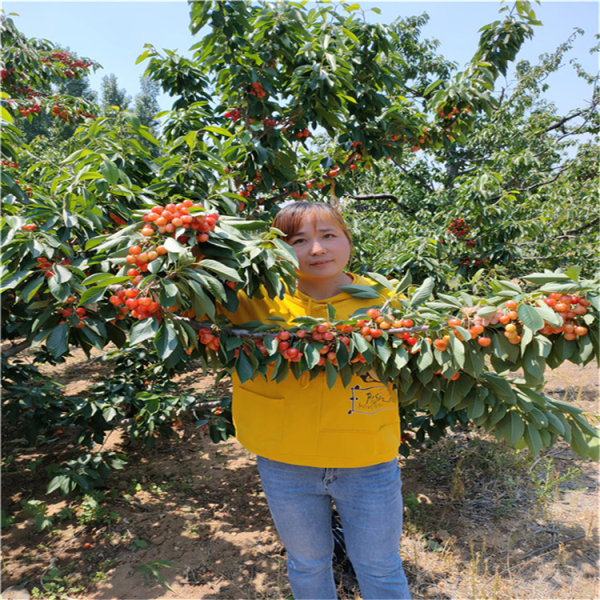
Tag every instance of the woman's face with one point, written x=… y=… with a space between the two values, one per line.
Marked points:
x=321 y=247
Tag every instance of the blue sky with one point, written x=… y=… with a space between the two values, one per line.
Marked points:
x=114 y=33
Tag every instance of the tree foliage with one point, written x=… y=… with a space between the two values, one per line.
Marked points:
x=125 y=234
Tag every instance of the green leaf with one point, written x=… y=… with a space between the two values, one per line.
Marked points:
x=550 y=316
x=381 y=280
x=201 y=303
x=60 y=291
x=486 y=312
x=5 y=115
x=382 y=350
x=191 y=138
x=360 y=291
x=331 y=373
x=142 y=331
x=542 y=278
x=33 y=285
x=425 y=358
x=243 y=367
x=423 y=292
x=530 y=317
x=578 y=442
x=359 y=341
x=500 y=388
x=62 y=274
x=172 y=245
x=403 y=283
x=219 y=268
x=219 y=130
x=573 y=272
x=312 y=355
x=533 y=439
x=58 y=341
x=105 y=278
x=517 y=427
x=110 y=172
x=92 y=294
x=166 y=340
x=457 y=350
x=331 y=312
x=476 y=408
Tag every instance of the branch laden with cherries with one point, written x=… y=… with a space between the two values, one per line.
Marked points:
x=463 y=357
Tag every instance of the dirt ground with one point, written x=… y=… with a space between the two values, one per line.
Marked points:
x=188 y=520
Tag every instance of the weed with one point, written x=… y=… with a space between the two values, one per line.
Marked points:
x=66 y=513
x=38 y=509
x=92 y=511
x=150 y=570
x=547 y=480
x=57 y=586
x=101 y=574
x=135 y=486
x=6 y=520
x=138 y=544
x=162 y=488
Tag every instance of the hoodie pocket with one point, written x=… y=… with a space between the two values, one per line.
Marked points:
x=258 y=419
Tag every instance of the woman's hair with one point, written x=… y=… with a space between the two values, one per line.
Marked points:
x=290 y=218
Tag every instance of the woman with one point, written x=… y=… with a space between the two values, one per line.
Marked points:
x=313 y=443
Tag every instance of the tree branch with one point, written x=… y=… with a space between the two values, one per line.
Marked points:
x=574 y=232
x=395 y=199
x=15 y=349
x=258 y=334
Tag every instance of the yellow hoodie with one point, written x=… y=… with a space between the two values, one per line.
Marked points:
x=302 y=421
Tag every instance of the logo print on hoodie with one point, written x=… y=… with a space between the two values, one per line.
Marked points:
x=370 y=398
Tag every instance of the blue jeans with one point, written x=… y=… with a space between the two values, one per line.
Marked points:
x=369 y=502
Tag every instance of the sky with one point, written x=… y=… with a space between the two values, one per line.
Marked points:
x=114 y=33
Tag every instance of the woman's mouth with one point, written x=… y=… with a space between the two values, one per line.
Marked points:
x=320 y=263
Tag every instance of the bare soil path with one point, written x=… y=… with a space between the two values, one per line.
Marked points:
x=188 y=520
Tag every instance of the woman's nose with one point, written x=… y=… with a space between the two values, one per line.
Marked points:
x=316 y=247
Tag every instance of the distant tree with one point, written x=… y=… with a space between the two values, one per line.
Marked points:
x=146 y=103
x=112 y=95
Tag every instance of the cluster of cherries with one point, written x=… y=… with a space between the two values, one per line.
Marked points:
x=458 y=228
x=46 y=265
x=569 y=307
x=66 y=59
x=78 y=315
x=257 y=89
x=65 y=115
x=35 y=109
x=169 y=218
x=8 y=164
x=139 y=259
x=234 y=114
x=453 y=114
x=130 y=301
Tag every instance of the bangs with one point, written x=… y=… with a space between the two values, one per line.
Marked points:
x=290 y=218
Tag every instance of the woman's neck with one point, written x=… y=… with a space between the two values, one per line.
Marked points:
x=322 y=289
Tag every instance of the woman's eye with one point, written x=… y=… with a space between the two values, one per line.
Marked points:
x=297 y=241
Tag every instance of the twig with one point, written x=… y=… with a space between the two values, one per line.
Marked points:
x=551 y=546
x=555 y=544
